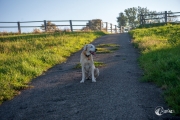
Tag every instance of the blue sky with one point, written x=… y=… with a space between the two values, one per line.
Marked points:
x=107 y=10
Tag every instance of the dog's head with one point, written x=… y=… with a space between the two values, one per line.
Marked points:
x=90 y=49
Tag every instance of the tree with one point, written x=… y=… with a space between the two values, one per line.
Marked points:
x=95 y=24
x=131 y=14
x=122 y=19
x=50 y=27
x=141 y=11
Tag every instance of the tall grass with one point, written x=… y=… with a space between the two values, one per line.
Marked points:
x=23 y=57
x=160 y=59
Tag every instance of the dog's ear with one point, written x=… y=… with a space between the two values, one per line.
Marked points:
x=85 y=47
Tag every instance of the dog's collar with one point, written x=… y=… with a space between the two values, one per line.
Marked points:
x=88 y=56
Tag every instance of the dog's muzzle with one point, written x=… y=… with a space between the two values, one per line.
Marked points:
x=93 y=52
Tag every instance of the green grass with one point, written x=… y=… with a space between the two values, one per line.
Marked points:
x=107 y=48
x=24 y=57
x=97 y=64
x=156 y=25
x=160 y=59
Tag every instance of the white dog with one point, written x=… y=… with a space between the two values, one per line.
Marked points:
x=87 y=63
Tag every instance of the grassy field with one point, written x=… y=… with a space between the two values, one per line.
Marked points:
x=24 y=57
x=160 y=59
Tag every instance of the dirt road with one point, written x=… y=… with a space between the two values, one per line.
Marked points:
x=117 y=94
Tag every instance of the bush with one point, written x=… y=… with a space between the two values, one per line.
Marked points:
x=36 y=31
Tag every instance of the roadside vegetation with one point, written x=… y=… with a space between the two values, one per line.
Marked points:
x=24 y=57
x=97 y=64
x=107 y=48
x=160 y=59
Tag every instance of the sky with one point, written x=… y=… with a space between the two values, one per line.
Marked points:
x=107 y=10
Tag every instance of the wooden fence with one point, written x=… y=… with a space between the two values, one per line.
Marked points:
x=69 y=23
x=159 y=17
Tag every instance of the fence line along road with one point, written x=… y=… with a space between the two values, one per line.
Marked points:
x=108 y=27
x=163 y=17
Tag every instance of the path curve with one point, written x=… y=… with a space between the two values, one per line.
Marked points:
x=117 y=94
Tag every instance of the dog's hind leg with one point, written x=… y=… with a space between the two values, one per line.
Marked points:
x=93 y=78
x=96 y=72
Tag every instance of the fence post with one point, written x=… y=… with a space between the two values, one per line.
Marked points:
x=115 y=29
x=100 y=25
x=122 y=29
x=111 y=27
x=165 y=17
x=19 y=27
x=144 y=22
x=45 y=26
x=141 y=19
x=70 y=21
x=106 y=26
x=90 y=24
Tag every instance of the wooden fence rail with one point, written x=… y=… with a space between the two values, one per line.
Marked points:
x=159 y=16
x=69 y=23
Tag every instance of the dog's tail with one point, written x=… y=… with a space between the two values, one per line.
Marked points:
x=96 y=72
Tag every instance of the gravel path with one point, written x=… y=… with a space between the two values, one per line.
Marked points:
x=117 y=94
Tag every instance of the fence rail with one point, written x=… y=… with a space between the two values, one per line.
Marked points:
x=67 y=23
x=159 y=17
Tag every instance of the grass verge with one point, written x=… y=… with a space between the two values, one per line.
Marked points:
x=24 y=57
x=160 y=59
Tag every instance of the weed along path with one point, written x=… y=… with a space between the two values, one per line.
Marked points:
x=118 y=94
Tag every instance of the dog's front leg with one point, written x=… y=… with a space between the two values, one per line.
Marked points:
x=83 y=75
x=92 y=73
